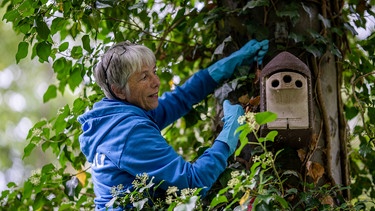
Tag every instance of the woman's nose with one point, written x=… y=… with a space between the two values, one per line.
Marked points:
x=155 y=80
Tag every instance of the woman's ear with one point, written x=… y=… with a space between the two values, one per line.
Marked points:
x=120 y=93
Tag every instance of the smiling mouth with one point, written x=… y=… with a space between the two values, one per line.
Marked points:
x=154 y=95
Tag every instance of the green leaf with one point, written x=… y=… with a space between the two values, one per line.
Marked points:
x=43 y=50
x=258 y=3
x=253 y=169
x=351 y=112
x=291 y=172
x=64 y=46
x=42 y=29
x=26 y=9
x=75 y=30
x=314 y=50
x=60 y=123
x=28 y=149
x=179 y=15
x=61 y=66
x=79 y=106
x=57 y=25
x=218 y=200
x=271 y=136
x=23 y=48
x=192 y=118
x=371 y=115
x=24 y=27
x=50 y=93
x=86 y=43
x=48 y=168
x=27 y=189
x=75 y=79
x=76 y=52
x=46 y=145
x=281 y=201
x=11 y=15
x=244 y=131
x=265 y=117
x=326 y=22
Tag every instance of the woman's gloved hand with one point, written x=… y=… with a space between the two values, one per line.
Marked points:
x=251 y=51
x=228 y=135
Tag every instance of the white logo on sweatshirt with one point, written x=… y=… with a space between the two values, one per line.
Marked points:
x=99 y=160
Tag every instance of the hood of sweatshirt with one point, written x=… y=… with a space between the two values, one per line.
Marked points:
x=100 y=123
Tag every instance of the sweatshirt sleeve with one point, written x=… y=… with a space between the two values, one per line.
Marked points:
x=175 y=104
x=146 y=151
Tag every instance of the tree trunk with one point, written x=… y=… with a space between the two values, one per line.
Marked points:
x=327 y=145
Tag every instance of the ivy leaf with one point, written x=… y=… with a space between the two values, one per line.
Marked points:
x=314 y=50
x=351 y=112
x=351 y=29
x=22 y=51
x=50 y=93
x=325 y=21
x=371 y=115
x=258 y=3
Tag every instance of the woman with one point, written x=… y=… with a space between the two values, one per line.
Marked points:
x=121 y=134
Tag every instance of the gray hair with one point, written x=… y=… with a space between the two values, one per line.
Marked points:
x=119 y=63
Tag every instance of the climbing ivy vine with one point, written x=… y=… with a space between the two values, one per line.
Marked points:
x=71 y=36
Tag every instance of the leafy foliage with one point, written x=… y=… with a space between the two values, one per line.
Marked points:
x=261 y=187
x=71 y=35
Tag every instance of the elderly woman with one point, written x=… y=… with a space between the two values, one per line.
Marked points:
x=121 y=135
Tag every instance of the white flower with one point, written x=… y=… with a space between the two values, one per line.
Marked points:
x=233 y=182
x=169 y=199
x=234 y=174
x=172 y=190
x=241 y=119
x=37 y=132
x=35 y=177
x=248 y=118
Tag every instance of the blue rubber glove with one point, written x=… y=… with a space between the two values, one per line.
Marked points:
x=228 y=135
x=251 y=51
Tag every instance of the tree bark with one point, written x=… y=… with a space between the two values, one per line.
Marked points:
x=327 y=146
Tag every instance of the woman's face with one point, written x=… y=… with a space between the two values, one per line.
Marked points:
x=143 y=88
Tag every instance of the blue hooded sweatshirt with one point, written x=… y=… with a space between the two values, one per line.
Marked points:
x=121 y=140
